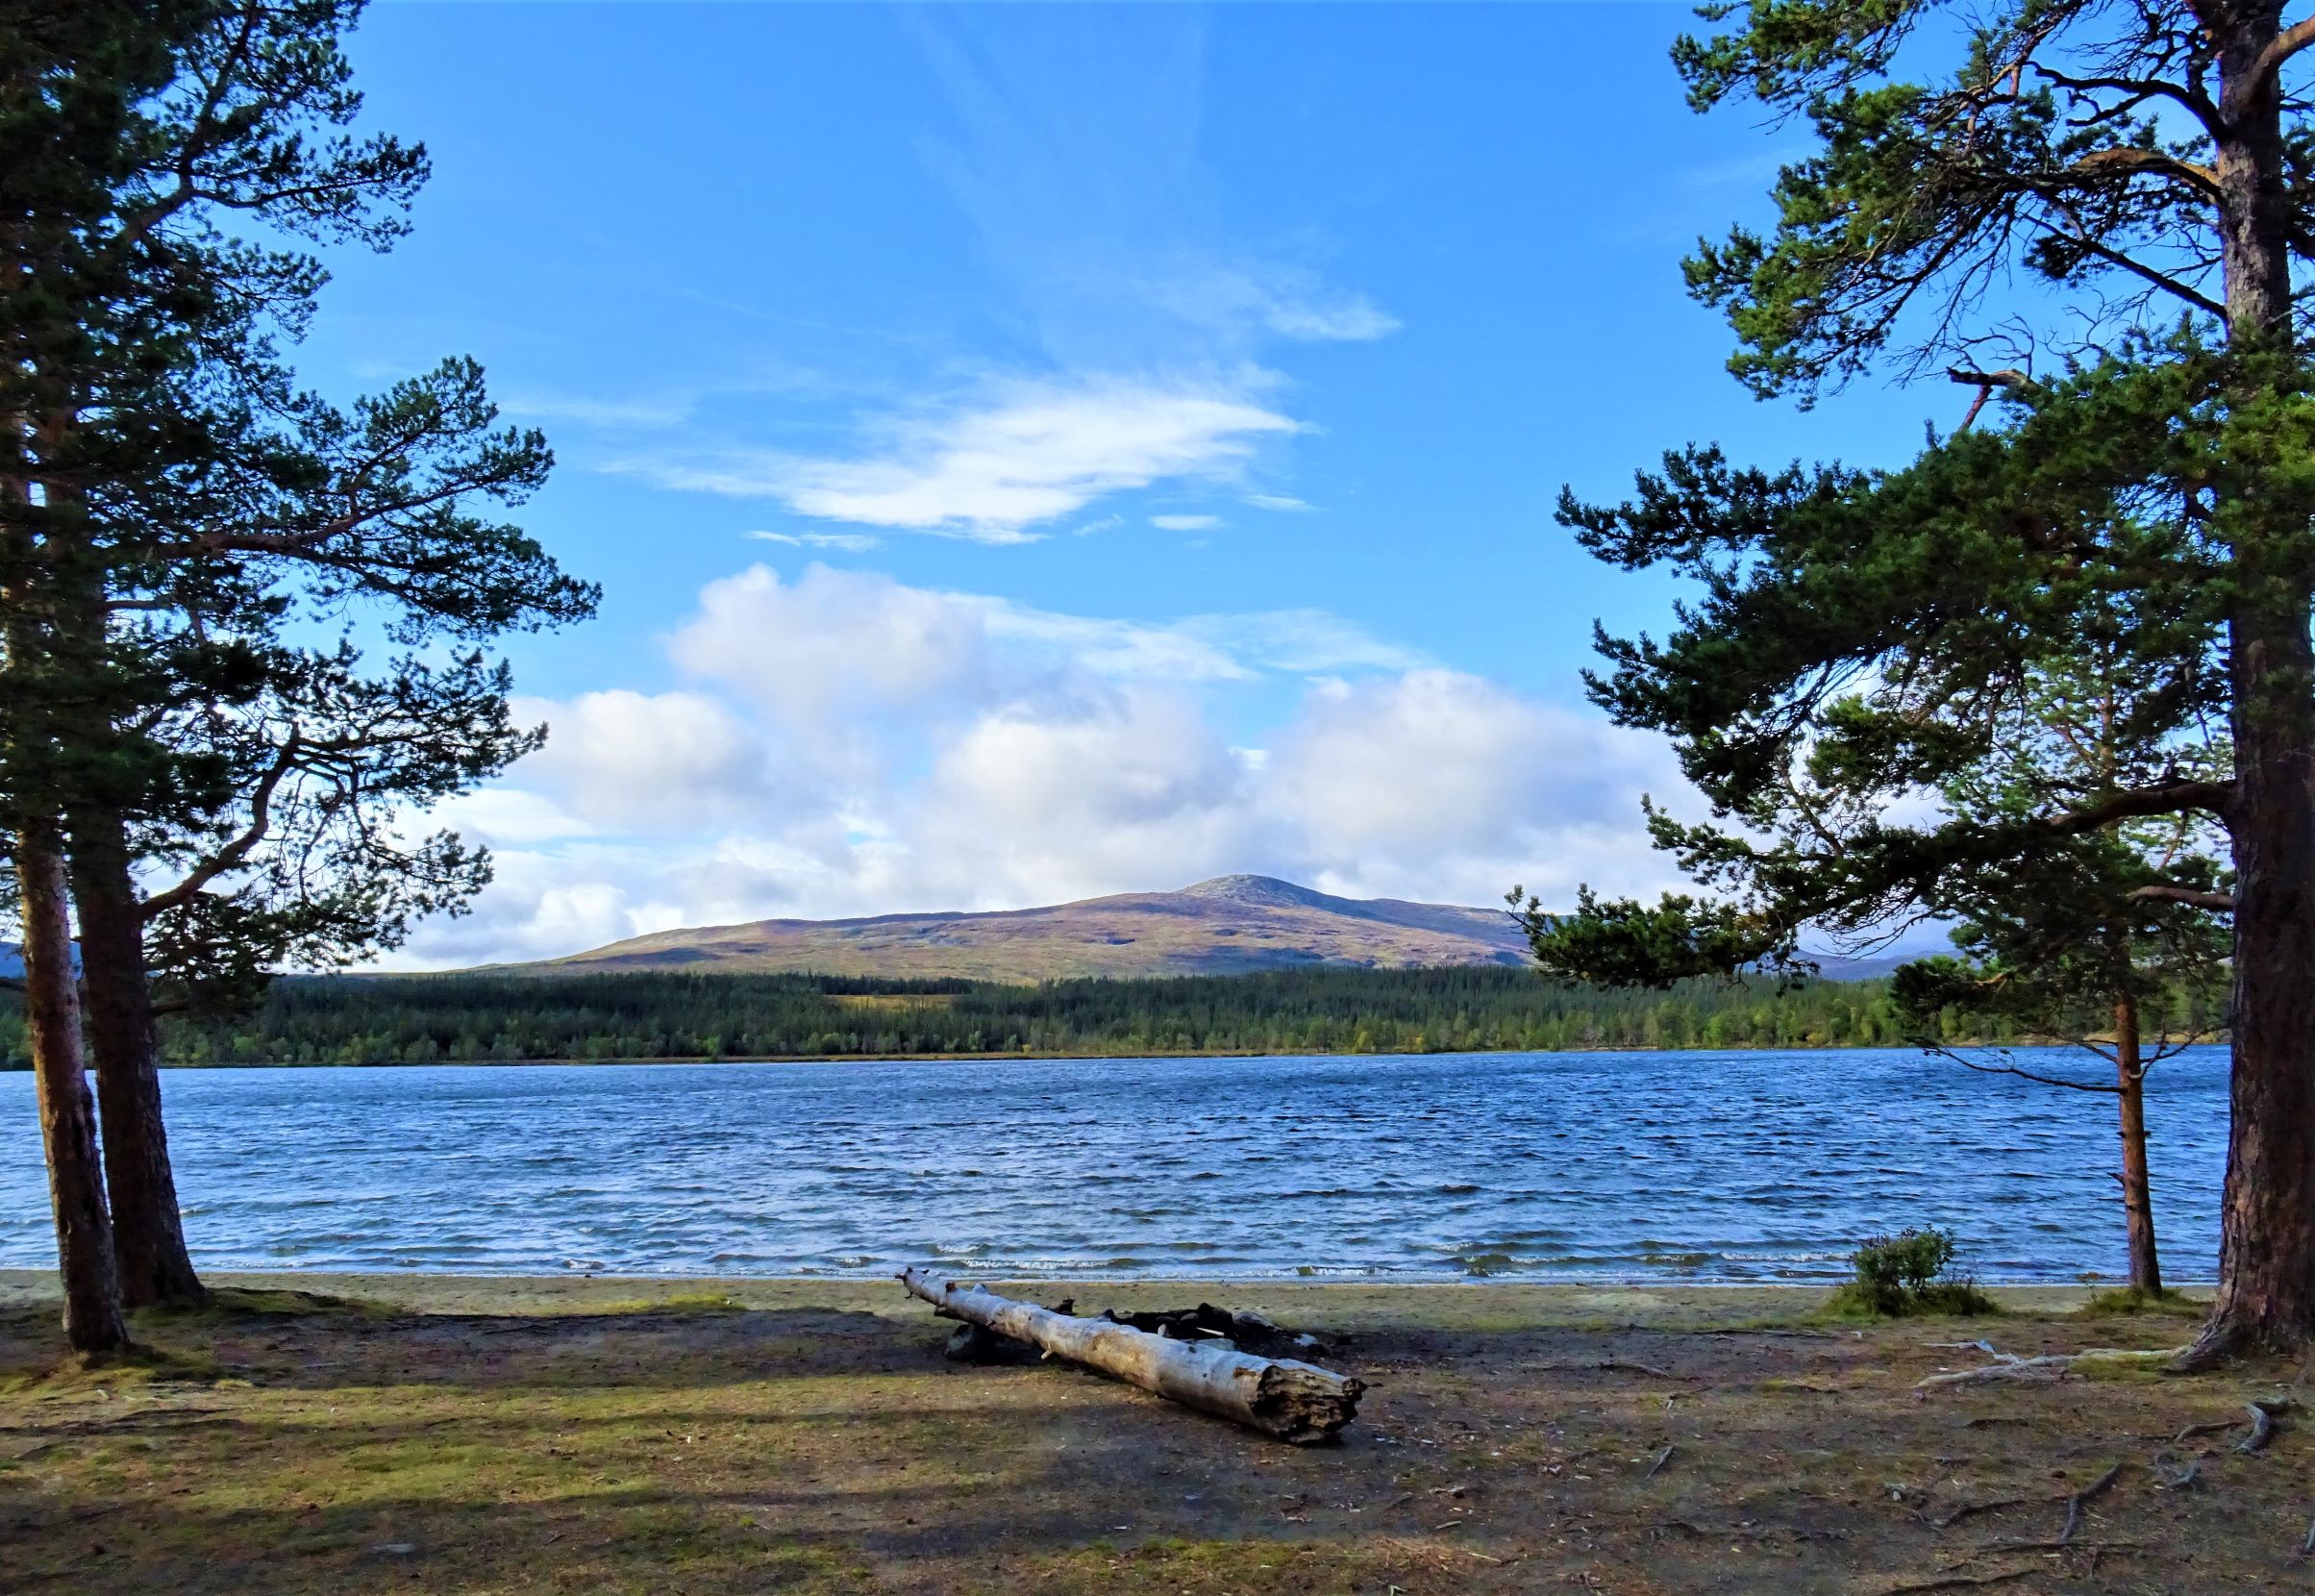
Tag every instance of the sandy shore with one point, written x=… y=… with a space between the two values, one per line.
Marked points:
x=373 y=1432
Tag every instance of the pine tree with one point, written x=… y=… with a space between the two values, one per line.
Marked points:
x=2091 y=217
x=192 y=508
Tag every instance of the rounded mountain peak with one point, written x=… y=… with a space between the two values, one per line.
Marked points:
x=1260 y=890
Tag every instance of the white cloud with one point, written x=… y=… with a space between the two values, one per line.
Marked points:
x=1274 y=501
x=1122 y=793
x=1303 y=642
x=1184 y=523
x=1434 y=779
x=831 y=641
x=638 y=761
x=592 y=411
x=1029 y=454
x=505 y=814
x=840 y=641
x=851 y=542
x=849 y=744
x=1289 y=302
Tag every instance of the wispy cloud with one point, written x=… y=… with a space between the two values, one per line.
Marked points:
x=1185 y=523
x=1275 y=501
x=1028 y=454
x=592 y=411
x=1288 y=302
x=851 y=542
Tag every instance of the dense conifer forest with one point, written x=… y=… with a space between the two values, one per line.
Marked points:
x=452 y=1019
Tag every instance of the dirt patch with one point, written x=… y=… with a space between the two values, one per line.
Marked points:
x=437 y=1434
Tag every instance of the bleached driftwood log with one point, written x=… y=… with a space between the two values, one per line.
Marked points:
x=1282 y=1396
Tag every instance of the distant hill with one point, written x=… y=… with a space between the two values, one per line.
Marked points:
x=1227 y=926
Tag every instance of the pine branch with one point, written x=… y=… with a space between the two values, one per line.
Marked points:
x=2255 y=81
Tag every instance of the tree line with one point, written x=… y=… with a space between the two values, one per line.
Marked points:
x=503 y=1019
x=510 y=1019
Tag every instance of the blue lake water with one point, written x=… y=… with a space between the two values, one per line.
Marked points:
x=1688 y=1167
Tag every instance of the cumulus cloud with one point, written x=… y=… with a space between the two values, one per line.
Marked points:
x=639 y=761
x=830 y=641
x=1122 y=792
x=1433 y=778
x=1025 y=455
x=833 y=641
x=850 y=744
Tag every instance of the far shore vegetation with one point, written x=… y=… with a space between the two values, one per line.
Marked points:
x=507 y=1019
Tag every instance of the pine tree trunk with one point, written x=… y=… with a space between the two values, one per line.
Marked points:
x=148 y=1234
x=2267 y=1239
x=52 y=1014
x=2137 y=1187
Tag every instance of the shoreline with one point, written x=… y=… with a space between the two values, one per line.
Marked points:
x=1118 y=1058
x=310 y=1435
x=429 y=1290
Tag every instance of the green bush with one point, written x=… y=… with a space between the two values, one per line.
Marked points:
x=1906 y=1273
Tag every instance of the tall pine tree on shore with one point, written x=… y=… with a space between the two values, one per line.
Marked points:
x=184 y=506
x=2096 y=220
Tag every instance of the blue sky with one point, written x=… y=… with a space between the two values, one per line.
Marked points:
x=1037 y=451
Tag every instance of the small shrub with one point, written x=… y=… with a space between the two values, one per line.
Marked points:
x=1907 y=1273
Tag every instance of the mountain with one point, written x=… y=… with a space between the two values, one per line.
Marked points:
x=1220 y=927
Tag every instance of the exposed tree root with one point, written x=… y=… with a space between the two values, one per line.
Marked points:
x=2189 y=1476
x=1617 y=1365
x=2219 y=1342
x=1628 y=1366
x=1959 y=1581
x=2262 y=1428
x=2212 y=1428
x=1971 y=1510
x=2051 y=1366
x=2074 y=1504
x=1664 y=1455
x=2073 y=1501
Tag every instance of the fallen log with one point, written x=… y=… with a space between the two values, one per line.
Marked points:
x=1280 y=1396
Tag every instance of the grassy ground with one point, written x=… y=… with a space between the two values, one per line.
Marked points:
x=433 y=1435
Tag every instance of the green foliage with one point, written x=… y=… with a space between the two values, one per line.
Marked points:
x=508 y=1019
x=1625 y=943
x=1993 y=686
x=1907 y=1273
x=2131 y=1300
x=198 y=520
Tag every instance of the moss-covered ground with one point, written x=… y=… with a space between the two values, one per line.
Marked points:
x=413 y=1433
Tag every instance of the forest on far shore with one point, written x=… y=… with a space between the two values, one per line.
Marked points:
x=510 y=1019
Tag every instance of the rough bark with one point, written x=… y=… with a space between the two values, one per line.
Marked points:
x=2266 y=1295
x=2137 y=1186
x=92 y=1304
x=1284 y=1397
x=148 y=1233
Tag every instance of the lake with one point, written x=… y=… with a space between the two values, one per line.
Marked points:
x=1646 y=1167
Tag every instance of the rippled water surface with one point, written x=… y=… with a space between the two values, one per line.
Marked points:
x=1710 y=1166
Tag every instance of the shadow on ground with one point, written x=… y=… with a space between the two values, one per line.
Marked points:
x=1510 y=1443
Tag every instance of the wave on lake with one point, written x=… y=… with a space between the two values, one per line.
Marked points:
x=1701 y=1167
